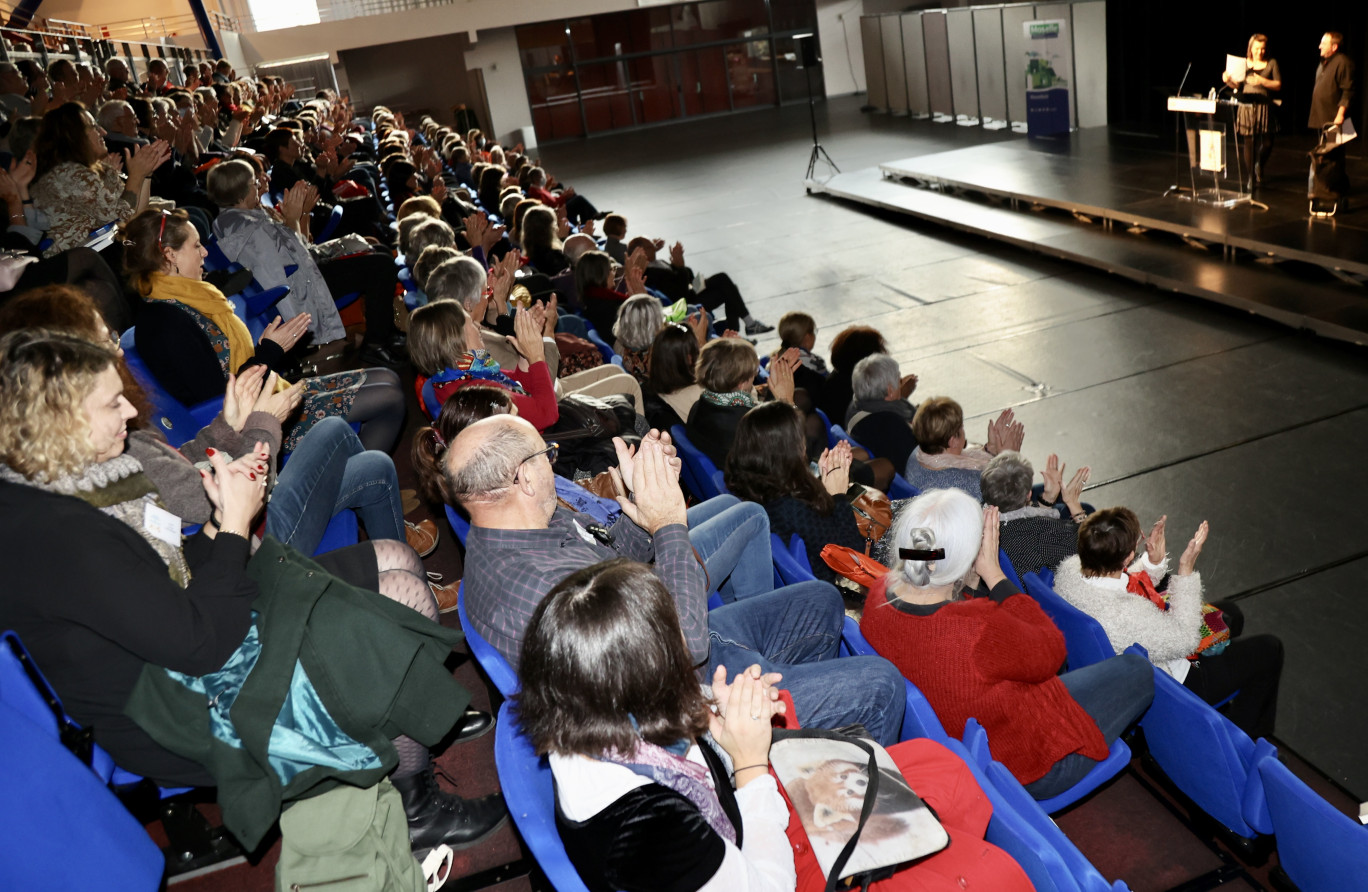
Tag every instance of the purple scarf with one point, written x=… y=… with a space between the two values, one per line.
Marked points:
x=686 y=778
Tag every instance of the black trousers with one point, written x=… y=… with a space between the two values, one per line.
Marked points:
x=721 y=291
x=1252 y=666
x=375 y=276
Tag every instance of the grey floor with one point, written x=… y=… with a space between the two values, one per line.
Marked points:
x=1180 y=408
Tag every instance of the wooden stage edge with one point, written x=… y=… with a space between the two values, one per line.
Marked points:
x=1314 y=294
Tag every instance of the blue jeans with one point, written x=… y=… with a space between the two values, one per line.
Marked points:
x=1115 y=692
x=330 y=471
x=796 y=630
x=733 y=538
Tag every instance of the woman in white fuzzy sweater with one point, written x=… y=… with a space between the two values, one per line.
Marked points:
x=1098 y=582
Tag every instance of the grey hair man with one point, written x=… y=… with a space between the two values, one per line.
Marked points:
x=880 y=417
x=463 y=280
x=522 y=543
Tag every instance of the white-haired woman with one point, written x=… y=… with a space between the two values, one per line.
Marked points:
x=639 y=320
x=994 y=658
x=1034 y=533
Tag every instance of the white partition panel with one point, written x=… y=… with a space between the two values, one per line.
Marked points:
x=959 y=27
x=1090 y=62
x=1064 y=11
x=1014 y=51
x=895 y=78
x=914 y=65
x=992 y=83
x=876 y=95
x=938 y=65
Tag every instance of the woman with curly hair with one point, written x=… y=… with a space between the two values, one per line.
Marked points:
x=78 y=185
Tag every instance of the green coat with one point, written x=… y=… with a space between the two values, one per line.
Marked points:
x=377 y=665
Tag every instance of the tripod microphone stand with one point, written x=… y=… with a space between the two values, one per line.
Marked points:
x=810 y=60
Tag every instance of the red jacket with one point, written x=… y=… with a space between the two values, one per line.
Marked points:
x=993 y=660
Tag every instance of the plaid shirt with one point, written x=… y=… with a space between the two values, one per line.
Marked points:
x=508 y=572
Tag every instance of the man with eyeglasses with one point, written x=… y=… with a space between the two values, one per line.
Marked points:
x=521 y=543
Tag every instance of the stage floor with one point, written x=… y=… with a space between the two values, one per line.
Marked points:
x=1097 y=199
x=1100 y=173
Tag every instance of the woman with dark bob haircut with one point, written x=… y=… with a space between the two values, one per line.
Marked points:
x=1107 y=581
x=768 y=464
x=610 y=695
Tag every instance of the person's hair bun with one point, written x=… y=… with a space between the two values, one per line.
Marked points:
x=919 y=572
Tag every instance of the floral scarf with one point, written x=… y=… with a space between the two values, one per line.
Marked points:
x=669 y=768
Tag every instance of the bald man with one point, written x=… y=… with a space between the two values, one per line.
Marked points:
x=521 y=543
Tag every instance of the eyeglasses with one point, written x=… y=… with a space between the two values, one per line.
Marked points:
x=550 y=452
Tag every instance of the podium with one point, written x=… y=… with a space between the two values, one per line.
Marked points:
x=1213 y=153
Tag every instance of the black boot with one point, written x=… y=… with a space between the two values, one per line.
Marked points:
x=435 y=817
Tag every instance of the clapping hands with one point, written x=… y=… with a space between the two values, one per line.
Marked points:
x=781 y=369
x=1005 y=433
x=834 y=466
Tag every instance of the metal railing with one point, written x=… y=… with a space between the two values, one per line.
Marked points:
x=340 y=10
x=45 y=46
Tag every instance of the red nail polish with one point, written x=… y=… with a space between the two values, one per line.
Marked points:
x=251 y=476
x=209 y=451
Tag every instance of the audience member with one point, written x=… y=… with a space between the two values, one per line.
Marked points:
x=608 y=694
x=1107 y=581
x=521 y=544
x=880 y=416
x=943 y=457
x=1034 y=535
x=995 y=658
x=768 y=464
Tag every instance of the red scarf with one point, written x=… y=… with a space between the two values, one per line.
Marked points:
x=1141 y=584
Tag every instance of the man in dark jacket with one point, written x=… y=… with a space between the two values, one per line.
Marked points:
x=1330 y=99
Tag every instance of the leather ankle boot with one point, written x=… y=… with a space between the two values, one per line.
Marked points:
x=435 y=817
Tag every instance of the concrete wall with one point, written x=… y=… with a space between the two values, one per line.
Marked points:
x=432 y=79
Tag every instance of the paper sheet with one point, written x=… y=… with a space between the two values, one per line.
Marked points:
x=1235 y=67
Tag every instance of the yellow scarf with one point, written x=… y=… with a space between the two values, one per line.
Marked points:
x=208 y=301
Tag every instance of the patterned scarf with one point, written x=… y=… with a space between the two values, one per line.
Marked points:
x=477 y=365
x=733 y=398
x=669 y=768
x=119 y=488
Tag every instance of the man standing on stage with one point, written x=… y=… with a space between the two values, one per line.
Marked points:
x=1330 y=100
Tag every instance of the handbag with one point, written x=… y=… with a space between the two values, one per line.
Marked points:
x=861 y=818
x=848 y=563
x=873 y=513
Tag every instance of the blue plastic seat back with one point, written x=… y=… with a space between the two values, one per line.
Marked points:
x=597 y=340
x=525 y=780
x=341 y=531
x=976 y=741
x=459 y=525
x=18 y=688
x=170 y=416
x=48 y=792
x=431 y=405
x=787 y=567
x=1319 y=847
x=703 y=477
x=490 y=660
x=1083 y=635
x=1204 y=754
x=1008 y=570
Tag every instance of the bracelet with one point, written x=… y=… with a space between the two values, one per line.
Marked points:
x=223 y=531
x=1079 y=517
x=28 y=201
x=764 y=765
x=213 y=521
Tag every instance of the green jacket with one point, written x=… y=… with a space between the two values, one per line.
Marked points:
x=377 y=665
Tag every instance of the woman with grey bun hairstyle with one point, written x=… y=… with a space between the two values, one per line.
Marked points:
x=952 y=623
x=1035 y=533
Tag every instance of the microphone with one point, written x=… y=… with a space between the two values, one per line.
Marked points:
x=1184 y=80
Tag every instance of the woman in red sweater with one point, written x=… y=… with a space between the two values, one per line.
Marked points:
x=995 y=658
x=439 y=337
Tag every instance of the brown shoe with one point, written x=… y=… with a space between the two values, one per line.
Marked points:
x=422 y=537
x=446 y=595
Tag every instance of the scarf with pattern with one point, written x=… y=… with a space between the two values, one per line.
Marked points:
x=669 y=768
x=477 y=365
x=119 y=488
x=732 y=398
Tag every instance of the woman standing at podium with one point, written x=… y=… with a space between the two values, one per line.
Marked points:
x=1255 y=124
